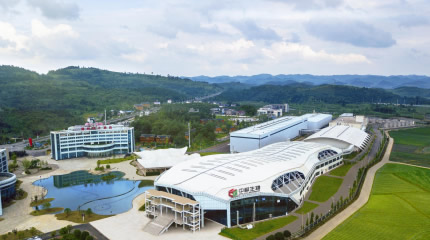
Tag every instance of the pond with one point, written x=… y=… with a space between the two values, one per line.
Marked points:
x=105 y=194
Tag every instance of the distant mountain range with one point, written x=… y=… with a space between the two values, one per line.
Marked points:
x=369 y=81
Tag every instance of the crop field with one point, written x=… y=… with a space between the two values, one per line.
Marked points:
x=411 y=146
x=324 y=187
x=398 y=207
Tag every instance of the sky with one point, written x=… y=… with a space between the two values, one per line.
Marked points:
x=218 y=37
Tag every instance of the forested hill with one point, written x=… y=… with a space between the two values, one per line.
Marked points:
x=302 y=93
x=35 y=103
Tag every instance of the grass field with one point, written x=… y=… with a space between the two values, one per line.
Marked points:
x=46 y=211
x=342 y=170
x=209 y=153
x=307 y=207
x=324 y=187
x=76 y=217
x=398 y=207
x=260 y=229
x=41 y=202
x=411 y=146
x=116 y=160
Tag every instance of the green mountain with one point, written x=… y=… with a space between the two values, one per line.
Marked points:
x=302 y=93
x=32 y=103
x=412 y=92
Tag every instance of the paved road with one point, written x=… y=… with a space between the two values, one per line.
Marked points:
x=221 y=148
x=323 y=230
x=83 y=227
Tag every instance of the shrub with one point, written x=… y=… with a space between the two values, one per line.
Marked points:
x=89 y=212
x=53 y=233
x=67 y=211
x=279 y=236
x=152 y=173
x=77 y=233
x=108 y=166
x=287 y=233
x=270 y=237
x=46 y=205
x=89 y=237
x=84 y=235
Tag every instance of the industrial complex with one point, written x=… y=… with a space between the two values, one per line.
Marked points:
x=238 y=188
x=94 y=139
x=281 y=129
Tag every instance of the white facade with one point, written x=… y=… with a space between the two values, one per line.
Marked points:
x=342 y=137
x=283 y=171
x=92 y=140
x=278 y=130
x=3 y=160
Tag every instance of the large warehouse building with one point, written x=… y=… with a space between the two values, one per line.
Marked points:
x=92 y=140
x=238 y=188
x=278 y=130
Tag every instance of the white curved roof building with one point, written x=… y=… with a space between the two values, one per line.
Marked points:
x=275 y=178
x=341 y=136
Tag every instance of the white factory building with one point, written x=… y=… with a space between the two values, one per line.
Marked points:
x=278 y=130
x=341 y=136
x=230 y=188
x=94 y=139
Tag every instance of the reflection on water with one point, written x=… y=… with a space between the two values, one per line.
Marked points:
x=105 y=194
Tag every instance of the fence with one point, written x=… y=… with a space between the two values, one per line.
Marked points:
x=342 y=203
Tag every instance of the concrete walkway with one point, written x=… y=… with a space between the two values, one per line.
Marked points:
x=323 y=230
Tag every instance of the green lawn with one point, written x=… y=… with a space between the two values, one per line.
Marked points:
x=210 y=153
x=41 y=202
x=398 y=207
x=76 y=217
x=325 y=187
x=342 y=170
x=411 y=146
x=46 y=211
x=116 y=160
x=307 y=207
x=145 y=183
x=260 y=229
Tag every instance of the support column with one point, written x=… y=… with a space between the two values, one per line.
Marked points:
x=228 y=216
x=202 y=217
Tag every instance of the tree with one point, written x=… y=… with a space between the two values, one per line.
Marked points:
x=53 y=233
x=312 y=217
x=287 y=234
x=89 y=237
x=89 y=212
x=270 y=237
x=279 y=236
x=108 y=166
x=67 y=211
x=33 y=231
x=26 y=164
x=77 y=233
x=46 y=205
x=84 y=235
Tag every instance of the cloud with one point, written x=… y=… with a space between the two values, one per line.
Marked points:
x=254 y=32
x=282 y=49
x=312 y=4
x=409 y=21
x=8 y=4
x=353 y=32
x=8 y=33
x=230 y=47
x=57 y=9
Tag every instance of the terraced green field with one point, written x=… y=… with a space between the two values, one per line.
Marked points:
x=411 y=146
x=398 y=207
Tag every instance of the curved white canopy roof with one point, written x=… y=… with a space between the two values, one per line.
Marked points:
x=216 y=174
x=346 y=134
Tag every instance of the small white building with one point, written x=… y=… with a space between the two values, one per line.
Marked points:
x=348 y=119
x=169 y=101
